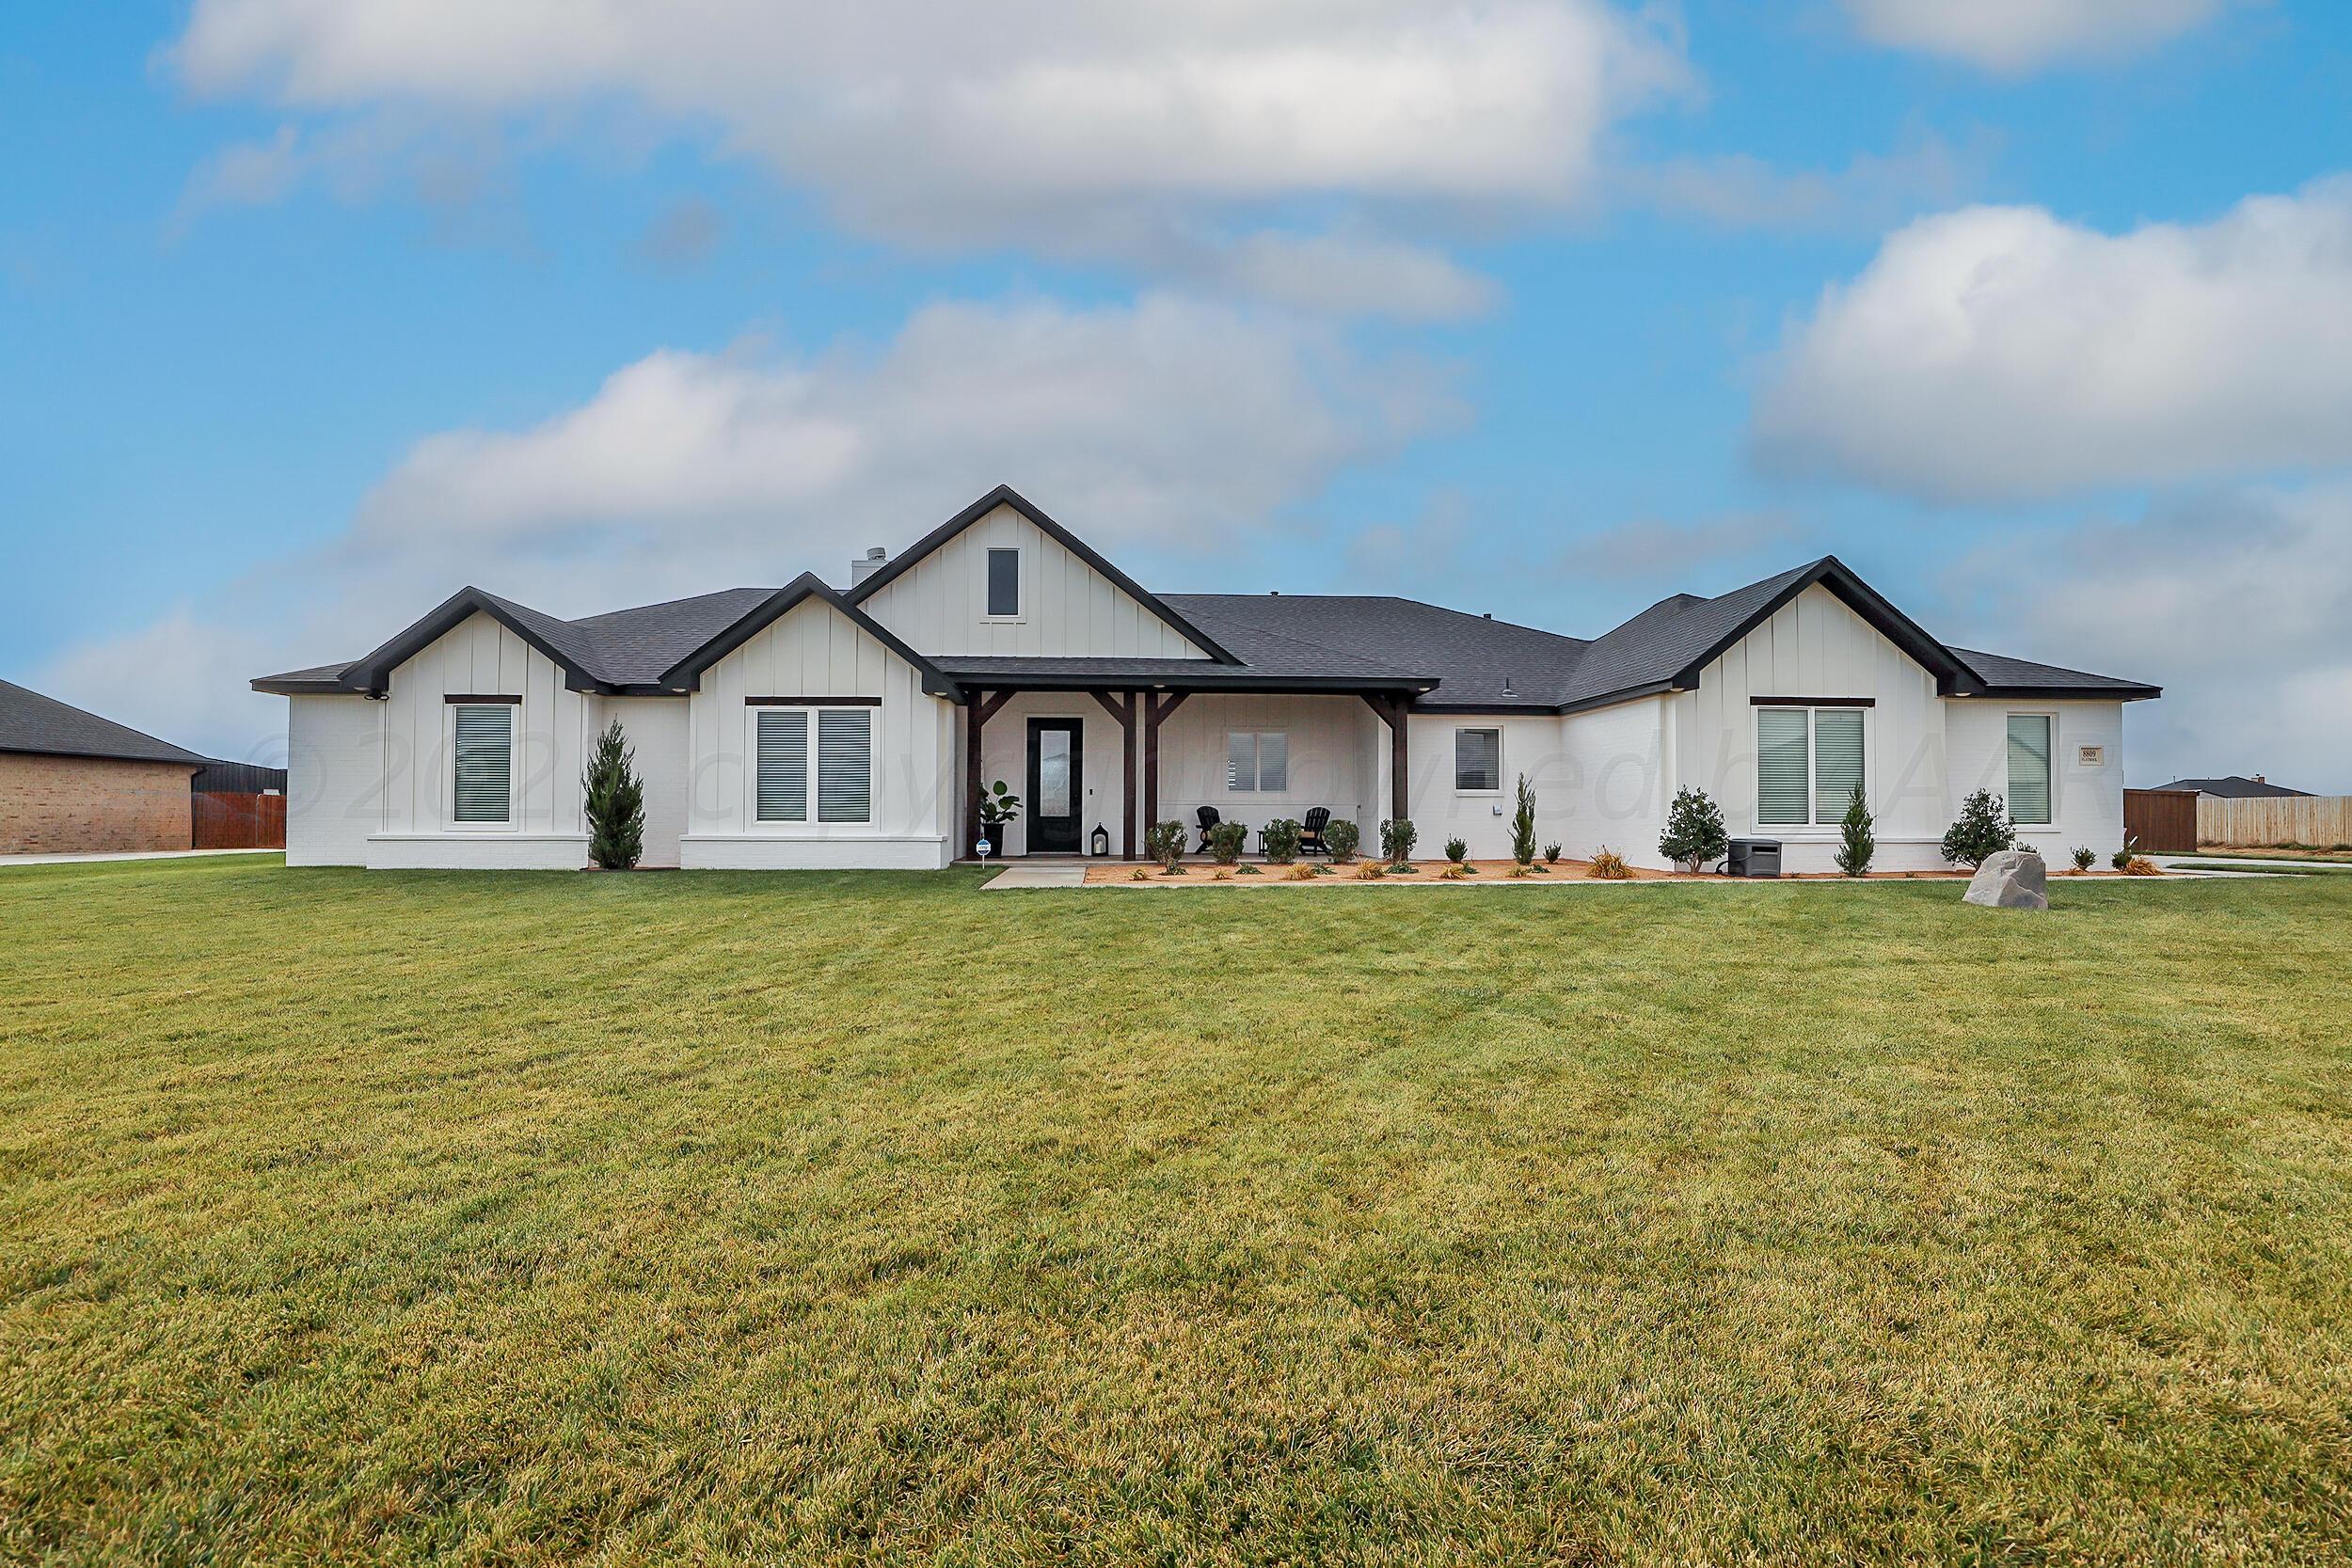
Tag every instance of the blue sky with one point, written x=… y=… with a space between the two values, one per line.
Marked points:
x=2041 y=318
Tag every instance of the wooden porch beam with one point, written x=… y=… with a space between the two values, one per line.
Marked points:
x=1155 y=712
x=983 y=707
x=1391 y=708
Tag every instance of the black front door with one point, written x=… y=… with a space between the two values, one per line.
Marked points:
x=1055 y=772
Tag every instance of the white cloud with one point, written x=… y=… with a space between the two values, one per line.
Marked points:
x=1654 y=548
x=2013 y=36
x=1998 y=353
x=1037 y=124
x=2235 y=602
x=1742 y=191
x=1158 y=430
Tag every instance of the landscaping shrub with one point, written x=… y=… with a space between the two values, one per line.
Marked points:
x=1225 y=841
x=1369 y=872
x=1247 y=871
x=2140 y=865
x=1305 y=873
x=1397 y=837
x=1694 y=831
x=616 y=802
x=1609 y=866
x=1344 y=837
x=1982 y=832
x=1455 y=873
x=1551 y=854
x=1456 y=850
x=1164 y=844
x=2123 y=858
x=1523 y=825
x=1222 y=874
x=1282 y=841
x=2084 y=855
x=1856 y=844
x=1138 y=875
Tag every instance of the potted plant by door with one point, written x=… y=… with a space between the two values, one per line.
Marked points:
x=999 y=808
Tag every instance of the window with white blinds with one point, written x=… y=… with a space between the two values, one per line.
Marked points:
x=1808 y=763
x=1478 y=762
x=845 y=764
x=783 y=765
x=2029 y=768
x=486 y=761
x=1258 y=760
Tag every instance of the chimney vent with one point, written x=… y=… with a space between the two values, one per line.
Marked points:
x=867 y=565
x=2259 y=778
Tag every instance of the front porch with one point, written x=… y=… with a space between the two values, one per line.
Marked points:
x=1084 y=758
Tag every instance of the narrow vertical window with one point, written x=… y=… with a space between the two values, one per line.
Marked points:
x=1003 y=582
x=1781 y=766
x=2029 y=768
x=486 y=761
x=845 y=764
x=1477 y=762
x=783 y=766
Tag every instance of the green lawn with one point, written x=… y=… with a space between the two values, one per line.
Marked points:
x=807 y=1218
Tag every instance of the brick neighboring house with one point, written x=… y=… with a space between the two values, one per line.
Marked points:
x=73 y=783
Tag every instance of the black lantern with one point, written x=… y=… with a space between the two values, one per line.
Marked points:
x=1102 y=840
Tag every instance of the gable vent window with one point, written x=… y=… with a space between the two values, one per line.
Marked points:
x=1808 y=763
x=845 y=764
x=783 y=765
x=1258 y=761
x=1003 y=582
x=1478 y=762
x=486 y=761
x=2029 y=768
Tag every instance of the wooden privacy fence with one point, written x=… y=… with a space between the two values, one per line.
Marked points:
x=2321 y=820
x=239 y=821
x=2164 y=820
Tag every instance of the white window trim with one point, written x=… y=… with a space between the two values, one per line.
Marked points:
x=1257 y=756
x=514 y=770
x=1020 y=585
x=1815 y=828
x=810 y=826
x=2009 y=792
x=1500 y=772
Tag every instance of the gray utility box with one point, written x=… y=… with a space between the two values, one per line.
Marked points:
x=1755 y=857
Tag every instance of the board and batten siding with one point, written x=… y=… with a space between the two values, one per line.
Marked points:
x=815 y=651
x=1068 y=609
x=2086 y=802
x=1816 y=646
x=1328 y=762
x=656 y=730
x=334 y=779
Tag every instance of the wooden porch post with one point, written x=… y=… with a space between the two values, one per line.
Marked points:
x=1391 y=708
x=1155 y=712
x=983 y=707
x=1124 y=711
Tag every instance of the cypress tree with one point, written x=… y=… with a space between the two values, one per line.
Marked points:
x=616 y=802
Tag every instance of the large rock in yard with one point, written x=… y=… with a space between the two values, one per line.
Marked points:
x=2012 y=879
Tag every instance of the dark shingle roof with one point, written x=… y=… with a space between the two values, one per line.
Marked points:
x=1449 y=658
x=2237 y=787
x=43 y=725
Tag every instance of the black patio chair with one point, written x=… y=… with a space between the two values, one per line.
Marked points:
x=1209 y=818
x=1311 y=831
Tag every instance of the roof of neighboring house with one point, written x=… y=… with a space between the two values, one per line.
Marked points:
x=2235 y=787
x=45 y=726
x=1449 y=660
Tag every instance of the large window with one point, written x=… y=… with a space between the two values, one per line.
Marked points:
x=1258 y=760
x=1003 y=582
x=843 y=772
x=484 y=748
x=1808 y=763
x=2029 y=768
x=1477 y=762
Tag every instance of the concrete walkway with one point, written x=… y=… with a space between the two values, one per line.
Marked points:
x=2223 y=865
x=1048 y=874
x=6 y=860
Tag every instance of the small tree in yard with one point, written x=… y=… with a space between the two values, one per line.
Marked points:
x=1855 y=843
x=1397 y=837
x=1523 y=825
x=1343 y=836
x=1694 y=831
x=1165 y=843
x=1282 y=841
x=616 y=801
x=1982 y=832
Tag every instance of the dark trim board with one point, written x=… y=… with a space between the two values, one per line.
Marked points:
x=482 y=698
x=687 y=674
x=811 y=702
x=1813 y=702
